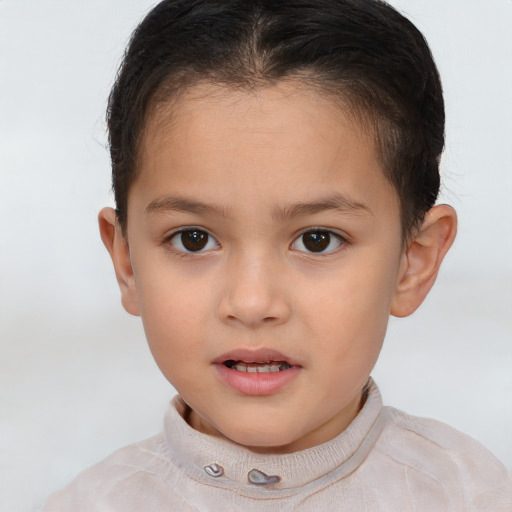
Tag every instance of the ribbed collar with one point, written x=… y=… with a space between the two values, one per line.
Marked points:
x=194 y=452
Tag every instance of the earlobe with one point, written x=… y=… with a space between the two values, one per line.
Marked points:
x=422 y=260
x=118 y=249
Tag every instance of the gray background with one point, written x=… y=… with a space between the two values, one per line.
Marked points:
x=76 y=378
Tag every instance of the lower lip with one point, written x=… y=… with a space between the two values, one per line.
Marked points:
x=256 y=384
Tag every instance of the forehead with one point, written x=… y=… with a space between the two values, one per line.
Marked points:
x=281 y=143
x=289 y=108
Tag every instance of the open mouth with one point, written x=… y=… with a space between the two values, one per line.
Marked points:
x=257 y=367
x=257 y=372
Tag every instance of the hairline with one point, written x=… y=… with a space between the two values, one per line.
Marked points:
x=171 y=91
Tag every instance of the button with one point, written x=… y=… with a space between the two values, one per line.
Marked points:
x=257 y=477
x=214 y=470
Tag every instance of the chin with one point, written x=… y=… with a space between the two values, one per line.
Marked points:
x=264 y=440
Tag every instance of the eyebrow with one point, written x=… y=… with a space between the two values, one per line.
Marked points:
x=182 y=204
x=337 y=202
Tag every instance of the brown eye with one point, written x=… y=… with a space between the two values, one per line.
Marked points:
x=193 y=240
x=318 y=241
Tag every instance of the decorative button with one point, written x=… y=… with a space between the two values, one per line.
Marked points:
x=214 y=470
x=257 y=477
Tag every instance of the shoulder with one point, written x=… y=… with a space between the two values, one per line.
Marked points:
x=441 y=455
x=121 y=482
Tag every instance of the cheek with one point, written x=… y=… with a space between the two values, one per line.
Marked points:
x=174 y=311
x=349 y=312
x=174 y=338
x=166 y=289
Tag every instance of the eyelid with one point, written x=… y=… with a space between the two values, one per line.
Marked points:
x=343 y=239
x=167 y=239
x=338 y=232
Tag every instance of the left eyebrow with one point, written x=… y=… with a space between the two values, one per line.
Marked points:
x=337 y=202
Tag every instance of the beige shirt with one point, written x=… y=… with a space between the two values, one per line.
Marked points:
x=385 y=461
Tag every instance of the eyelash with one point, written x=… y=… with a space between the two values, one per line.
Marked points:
x=341 y=241
x=327 y=235
x=189 y=229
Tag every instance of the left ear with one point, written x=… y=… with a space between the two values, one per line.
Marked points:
x=420 y=263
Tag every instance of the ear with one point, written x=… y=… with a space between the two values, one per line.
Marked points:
x=117 y=246
x=420 y=263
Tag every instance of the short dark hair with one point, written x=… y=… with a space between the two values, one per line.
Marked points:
x=362 y=51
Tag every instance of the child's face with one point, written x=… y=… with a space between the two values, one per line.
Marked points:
x=262 y=229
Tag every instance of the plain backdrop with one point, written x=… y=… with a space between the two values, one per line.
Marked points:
x=77 y=380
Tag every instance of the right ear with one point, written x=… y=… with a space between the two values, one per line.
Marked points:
x=117 y=246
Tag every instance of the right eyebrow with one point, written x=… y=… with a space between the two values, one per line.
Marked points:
x=182 y=204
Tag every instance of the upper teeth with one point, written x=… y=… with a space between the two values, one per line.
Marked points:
x=270 y=367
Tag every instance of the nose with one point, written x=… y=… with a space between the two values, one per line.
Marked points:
x=253 y=293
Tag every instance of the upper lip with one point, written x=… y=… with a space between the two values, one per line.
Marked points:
x=260 y=355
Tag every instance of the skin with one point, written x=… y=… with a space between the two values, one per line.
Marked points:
x=254 y=158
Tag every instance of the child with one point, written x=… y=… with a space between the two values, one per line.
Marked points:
x=275 y=168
